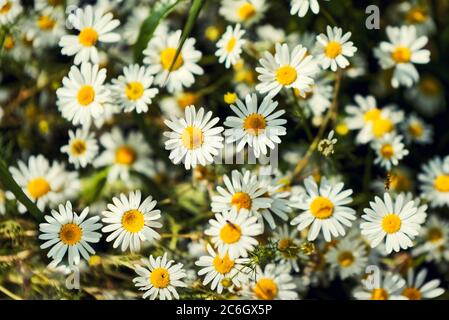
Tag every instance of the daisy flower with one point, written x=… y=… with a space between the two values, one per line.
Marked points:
x=334 y=48
x=67 y=232
x=320 y=96
x=194 y=139
x=258 y=126
x=124 y=154
x=246 y=12
x=434 y=181
x=94 y=27
x=81 y=149
x=230 y=46
x=9 y=10
x=387 y=287
x=435 y=237
x=132 y=90
x=159 y=56
x=427 y=96
x=234 y=233
x=221 y=271
x=159 y=278
x=83 y=95
x=416 y=130
x=243 y=192
x=131 y=221
x=301 y=7
x=273 y=283
x=419 y=16
x=287 y=245
x=403 y=50
x=45 y=30
x=324 y=208
x=397 y=221
x=389 y=150
x=417 y=289
x=348 y=257
x=286 y=69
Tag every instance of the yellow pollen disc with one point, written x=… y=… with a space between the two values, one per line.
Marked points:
x=5 y=8
x=231 y=44
x=416 y=16
x=45 y=22
x=8 y=43
x=230 y=233
x=401 y=55
x=372 y=115
x=387 y=151
x=86 y=95
x=412 y=293
x=38 y=187
x=187 y=99
x=241 y=200
x=223 y=265
x=333 y=49
x=416 y=130
x=379 y=294
x=134 y=90
x=160 y=278
x=322 y=208
x=442 y=183
x=70 y=234
x=430 y=86
x=265 y=289
x=246 y=11
x=125 y=155
x=342 y=129
x=167 y=56
x=400 y=182
x=78 y=147
x=345 y=259
x=133 y=221
x=434 y=235
x=255 y=124
x=212 y=33
x=88 y=37
x=284 y=244
x=230 y=98
x=391 y=223
x=382 y=126
x=192 y=138
x=286 y=75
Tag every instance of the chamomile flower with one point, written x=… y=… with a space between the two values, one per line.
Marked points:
x=133 y=90
x=389 y=150
x=416 y=130
x=82 y=98
x=348 y=257
x=324 y=208
x=286 y=69
x=319 y=98
x=234 y=233
x=159 y=278
x=396 y=221
x=67 y=232
x=123 y=154
x=403 y=50
x=81 y=149
x=434 y=181
x=333 y=49
x=301 y=7
x=288 y=246
x=9 y=10
x=131 y=221
x=246 y=12
x=417 y=289
x=194 y=139
x=258 y=126
x=378 y=286
x=417 y=15
x=230 y=46
x=159 y=56
x=220 y=268
x=46 y=29
x=435 y=238
x=427 y=96
x=94 y=27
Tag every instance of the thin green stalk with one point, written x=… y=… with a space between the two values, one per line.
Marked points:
x=302 y=116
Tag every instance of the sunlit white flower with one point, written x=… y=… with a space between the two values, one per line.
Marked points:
x=320 y=96
x=45 y=30
x=348 y=257
x=386 y=286
x=246 y=12
x=288 y=246
x=82 y=148
x=389 y=150
x=416 y=130
x=418 y=15
x=301 y=7
x=417 y=289
x=427 y=96
x=435 y=240
x=230 y=46
x=9 y=10
x=434 y=181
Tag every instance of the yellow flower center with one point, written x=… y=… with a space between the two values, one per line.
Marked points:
x=88 y=37
x=192 y=138
x=230 y=98
x=265 y=289
x=379 y=294
x=231 y=44
x=286 y=75
x=345 y=259
x=416 y=16
x=372 y=115
x=8 y=43
x=391 y=223
x=322 y=208
x=382 y=126
x=415 y=129
x=230 y=233
x=284 y=244
x=434 y=235
x=187 y=99
x=5 y=8
x=54 y=3
x=212 y=33
x=400 y=182
x=387 y=151
x=223 y=265
x=45 y=22
x=241 y=200
x=125 y=155
x=133 y=221
x=246 y=11
x=70 y=234
x=38 y=187
x=167 y=56
x=342 y=129
x=430 y=86
x=442 y=183
x=412 y=293
x=78 y=147
x=86 y=95
x=401 y=55
x=134 y=90
x=160 y=278
x=255 y=124
x=333 y=49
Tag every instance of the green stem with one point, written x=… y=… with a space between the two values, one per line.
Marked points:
x=302 y=116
